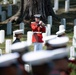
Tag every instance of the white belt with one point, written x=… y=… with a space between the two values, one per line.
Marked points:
x=37 y=32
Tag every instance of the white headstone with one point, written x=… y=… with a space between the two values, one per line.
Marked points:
x=74 y=37
x=72 y=53
x=74 y=22
x=9 y=28
x=0 y=52
x=56 y=5
x=9 y=10
x=0 y=8
x=29 y=37
x=50 y=20
x=74 y=31
x=2 y=36
x=63 y=22
x=44 y=35
x=14 y=1
x=49 y=25
x=4 y=1
x=3 y=16
x=14 y=36
x=22 y=26
x=7 y=46
x=54 y=10
x=48 y=29
x=67 y=5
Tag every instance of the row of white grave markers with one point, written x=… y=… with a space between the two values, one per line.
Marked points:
x=63 y=22
x=49 y=25
x=29 y=38
x=2 y=36
x=67 y=5
x=9 y=27
x=3 y=13
x=6 y=1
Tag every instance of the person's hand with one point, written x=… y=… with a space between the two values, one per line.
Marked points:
x=40 y=22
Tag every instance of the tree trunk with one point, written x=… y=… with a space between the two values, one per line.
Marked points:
x=32 y=7
x=28 y=8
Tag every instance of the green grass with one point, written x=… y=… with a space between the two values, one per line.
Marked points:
x=2 y=46
x=70 y=16
x=70 y=35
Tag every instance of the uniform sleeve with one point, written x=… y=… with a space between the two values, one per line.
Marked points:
x=43 y=29
x=34 y=27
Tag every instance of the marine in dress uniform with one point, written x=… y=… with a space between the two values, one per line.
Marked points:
x=38 y=28
x=18 y=35
x=21 y=48
x=61 y=31
x=8 y=64
x=42 y=62
x=53 y=43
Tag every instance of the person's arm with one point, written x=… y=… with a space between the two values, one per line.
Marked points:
x=34 y=26
x=41 y=23
x=42 y=27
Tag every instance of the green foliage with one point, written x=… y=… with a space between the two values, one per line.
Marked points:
x=73 y=72
x=73 y=66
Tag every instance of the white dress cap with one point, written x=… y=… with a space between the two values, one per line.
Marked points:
x=61 y=30
x=44 y=56
x=46 y=38
x=8 y=59
x=18 y=31
x=62 y=52
x=59 y=41
x=37 y=15
x=19 y=47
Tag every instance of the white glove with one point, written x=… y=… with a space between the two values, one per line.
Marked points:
x=40 y=22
